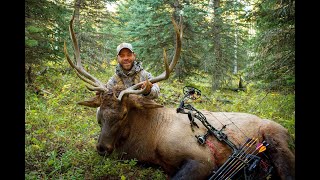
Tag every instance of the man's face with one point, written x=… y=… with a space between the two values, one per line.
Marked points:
x=126 y=58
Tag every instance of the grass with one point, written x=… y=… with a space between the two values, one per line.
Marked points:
x=60 y=135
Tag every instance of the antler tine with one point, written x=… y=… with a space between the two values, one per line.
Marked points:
x=178 y=43
x=81 y=72
x=168 y=68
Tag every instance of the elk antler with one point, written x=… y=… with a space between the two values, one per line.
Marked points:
x=82 y=74
x=168 y=69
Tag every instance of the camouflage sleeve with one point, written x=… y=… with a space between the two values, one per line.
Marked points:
x=155 y=90
x=111 y=83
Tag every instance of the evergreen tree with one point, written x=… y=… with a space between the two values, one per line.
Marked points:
x=45 y=29
x=274 y=58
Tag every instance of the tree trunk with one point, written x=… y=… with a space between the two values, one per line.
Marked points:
x=240 y=83
x=29 y=78
x=235 y=62
x=217 y=74
x=77 y=7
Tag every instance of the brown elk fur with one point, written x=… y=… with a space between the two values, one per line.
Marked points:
x=139 y=128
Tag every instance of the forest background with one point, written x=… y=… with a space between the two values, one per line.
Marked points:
x=239 y=53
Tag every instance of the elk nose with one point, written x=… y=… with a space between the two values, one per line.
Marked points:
x=104 y=150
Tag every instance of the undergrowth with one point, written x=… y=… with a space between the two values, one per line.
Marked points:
x=60 y=136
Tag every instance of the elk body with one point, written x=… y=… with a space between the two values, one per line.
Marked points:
x=137 y=127
x=159 y=135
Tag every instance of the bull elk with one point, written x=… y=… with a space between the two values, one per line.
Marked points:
x=137 y=127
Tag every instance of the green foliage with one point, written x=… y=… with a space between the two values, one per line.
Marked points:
x=45 y=29
x=95 y=29
x=274 y=62
x=33 y=29
x=31 y=42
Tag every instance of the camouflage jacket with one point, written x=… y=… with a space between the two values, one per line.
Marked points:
x=134 y=76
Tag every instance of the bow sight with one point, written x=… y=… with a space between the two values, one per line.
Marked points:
x=189 y=93
x=246 y=159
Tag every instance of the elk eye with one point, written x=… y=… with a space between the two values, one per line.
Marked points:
x=124 y=115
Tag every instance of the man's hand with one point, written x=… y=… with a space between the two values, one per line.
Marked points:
x=149 y=86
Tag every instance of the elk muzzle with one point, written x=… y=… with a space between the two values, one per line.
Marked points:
x=104 y=150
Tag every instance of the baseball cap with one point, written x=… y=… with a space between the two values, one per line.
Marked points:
x=124 y=45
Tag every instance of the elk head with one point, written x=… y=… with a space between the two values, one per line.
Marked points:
x=114 y=104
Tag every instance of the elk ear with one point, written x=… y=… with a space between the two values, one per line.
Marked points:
x=151 y=105
x=144 y=103
x=93 y=102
